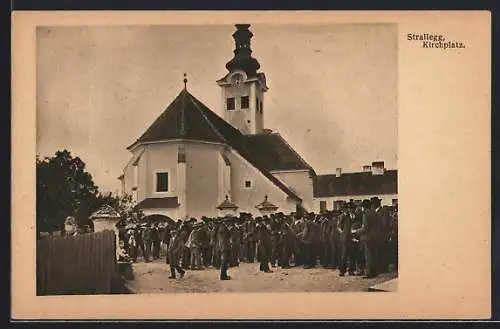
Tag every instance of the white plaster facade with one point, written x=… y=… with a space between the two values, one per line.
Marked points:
x=203 y=181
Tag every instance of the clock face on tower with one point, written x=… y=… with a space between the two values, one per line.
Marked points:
x=237 y=79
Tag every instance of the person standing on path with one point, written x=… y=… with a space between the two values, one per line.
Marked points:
x=288 y=244
x=224 y=247
x=344 y=227
x=264 y=247
x=368 y=234
x=175 y=249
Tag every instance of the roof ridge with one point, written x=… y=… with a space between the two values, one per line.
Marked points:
x=304 y=162
x=192 y=99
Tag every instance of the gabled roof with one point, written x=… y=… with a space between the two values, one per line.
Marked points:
x=359 y=183
x=106 y=211
x=274 y=153
x=181 y=119
x=266 y=205
x=188 y=118
x=227 y=204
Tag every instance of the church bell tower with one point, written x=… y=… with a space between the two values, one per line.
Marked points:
x=243 y=87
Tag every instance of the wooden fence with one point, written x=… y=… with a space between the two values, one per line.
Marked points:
x=82 y=264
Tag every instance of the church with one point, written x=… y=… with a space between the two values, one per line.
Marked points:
x=191 y=162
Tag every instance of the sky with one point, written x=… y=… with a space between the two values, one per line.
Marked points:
x=332 y=88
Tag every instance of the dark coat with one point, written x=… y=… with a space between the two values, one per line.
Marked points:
x=176 y=247
x=370 y=226
x=333 y=234
x=264 y=243
x=251 y=232
x=166 y=236
x=288 y=238
x=212 y=236
x=235 y=235
x=312 y=233
x=223 y=238
x=344 y=227
x=204 y=237
x=384 y=223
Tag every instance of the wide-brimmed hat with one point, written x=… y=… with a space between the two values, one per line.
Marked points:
x=228 y=218
x=351 y=205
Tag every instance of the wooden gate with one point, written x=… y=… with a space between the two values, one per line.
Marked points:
x=82 y=264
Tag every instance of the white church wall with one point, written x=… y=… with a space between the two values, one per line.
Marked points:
x=142 y=168
x=161 y=157
x=203 y=178
x=299 y=182
x=130 y=180
x=246 y=198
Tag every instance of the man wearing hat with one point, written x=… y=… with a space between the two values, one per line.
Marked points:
x=194 y=245
x=393 y=238
x=368 y=235
x=155 y=240
x=263 y=246
x=166 y=239
x=251 y=238
x=344 y=227
x=288 y=245
x=175 y=249
x=214 y=255
x=224 y=246
x=382 y=247
x=235 y=243
x=146 y=240
x=204 y=241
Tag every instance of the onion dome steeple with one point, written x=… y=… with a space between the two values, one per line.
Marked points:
x=243 y=59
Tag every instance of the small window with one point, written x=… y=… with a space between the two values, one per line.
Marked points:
x=261 y=107
x=245 y=102
x=248 y=184
x=322 y=206
x=162 y=182
x=257 y=104
x=231 y=103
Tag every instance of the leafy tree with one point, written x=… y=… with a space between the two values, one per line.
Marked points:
x=64 y=188
x=127 y=210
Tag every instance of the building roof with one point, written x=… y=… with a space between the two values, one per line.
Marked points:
x=273 y=152
x=359 y=183
x=266 y=205
x=181 y=119
x=227 y=204
x=106 y=211
x=154 y=203
x=188 y=118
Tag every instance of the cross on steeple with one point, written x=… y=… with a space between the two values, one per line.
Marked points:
x=185 y=80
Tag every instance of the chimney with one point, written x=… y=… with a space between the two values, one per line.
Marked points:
x=367 y=168
x=338 y=172
x=378 y=168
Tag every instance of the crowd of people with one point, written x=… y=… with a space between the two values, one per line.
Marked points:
x=360 y=240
